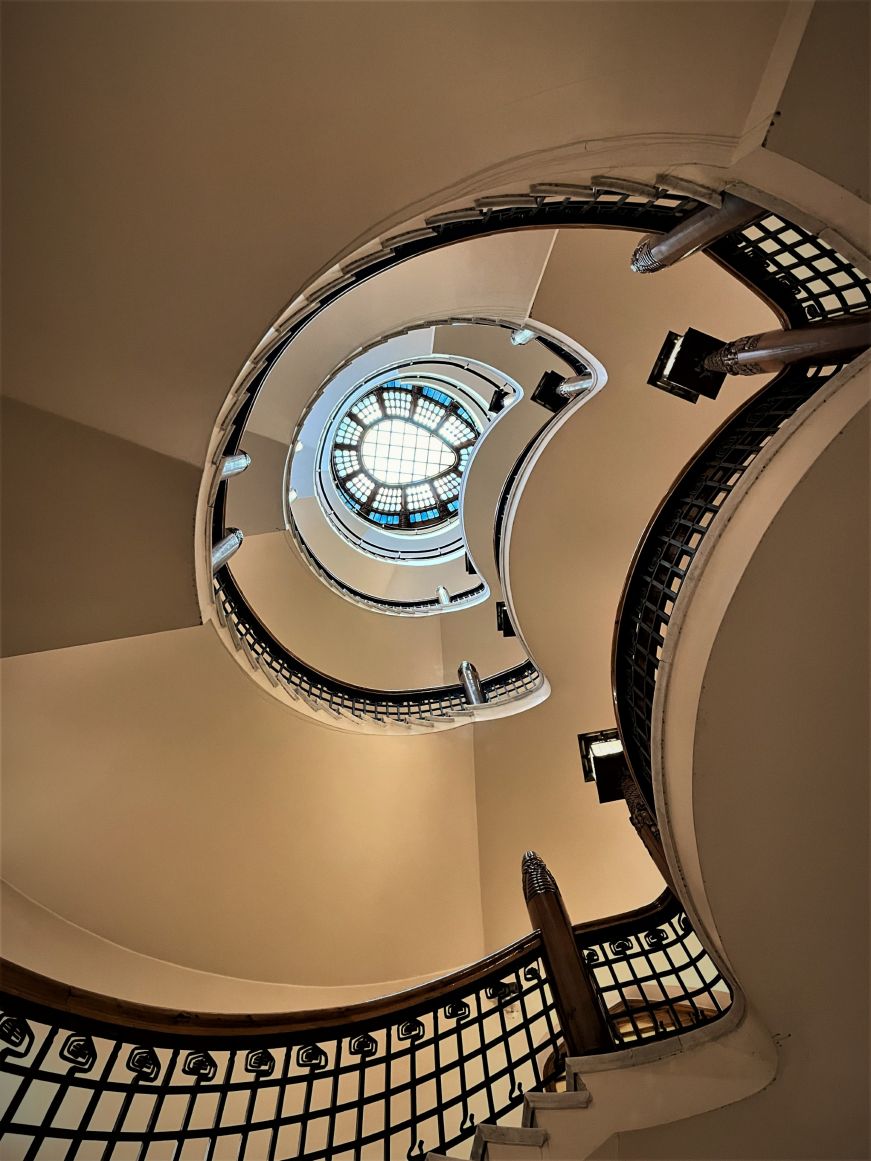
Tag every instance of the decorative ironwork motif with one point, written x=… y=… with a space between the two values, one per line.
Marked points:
x=311 y=1057
x=457 y=1011
x=341 y=699
x=144 y=1062
x=260 y=1061
x=419 y=1080
x=652 y=975
x=364 y=1045
x=410 y=1030
x=200 y=1064
x=79 y=1051
x=16 y=1033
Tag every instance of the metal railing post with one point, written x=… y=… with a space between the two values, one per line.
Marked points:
x=225 y=548
x=234 y=465
x=656 y=251
x=576 y=385
x=822 y=342
x=583 y=1022
x=471 y=682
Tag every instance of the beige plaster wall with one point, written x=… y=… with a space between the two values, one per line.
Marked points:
x=254 y=501
x=340 y=638
x=472 y=635
x=153 y=230
x=574 y=530
x=492 y=276
x=823 y=118
x=97 y=535
x=154 y=796
x=46 y=943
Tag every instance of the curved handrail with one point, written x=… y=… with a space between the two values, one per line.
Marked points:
x=690 y=508
x=266 y=652
x=505 y=495
x=642 y=998
x=403 y=1073
x=604 y=207
x=383 y=604
x=798 y=275
x=169 y=1026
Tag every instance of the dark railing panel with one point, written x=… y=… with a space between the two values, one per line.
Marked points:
x=85 y=1076
x=419 y=1080
x=324 y=692
x=652 y=976
x=671 y=544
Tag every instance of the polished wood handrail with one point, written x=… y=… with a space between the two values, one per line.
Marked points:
x=87 y=1006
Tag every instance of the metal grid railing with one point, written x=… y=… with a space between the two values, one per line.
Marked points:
x=672 y=543
x=265 y=653
x=808 y=281
x=652 y=976
x=392 y=1078
x=416 y=1080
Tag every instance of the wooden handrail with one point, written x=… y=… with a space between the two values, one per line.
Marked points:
x=242 y=1027
x=86 y=1006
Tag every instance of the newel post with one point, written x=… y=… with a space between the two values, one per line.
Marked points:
x=582 y=1020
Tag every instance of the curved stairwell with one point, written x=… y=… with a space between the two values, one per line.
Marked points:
x=175 y=841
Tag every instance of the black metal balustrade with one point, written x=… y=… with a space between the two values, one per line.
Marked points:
x=85 y=1076
x=651 y=974
x=340 y=698
x=801 y=277
x=807 y=281
x=604 y=207
x=345 y=1083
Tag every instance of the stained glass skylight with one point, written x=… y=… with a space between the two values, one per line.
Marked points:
x=399 y=455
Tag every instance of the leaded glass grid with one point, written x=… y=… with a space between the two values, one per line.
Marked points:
x=399 y=455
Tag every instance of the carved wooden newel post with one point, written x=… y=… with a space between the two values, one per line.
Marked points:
x=583 y=1022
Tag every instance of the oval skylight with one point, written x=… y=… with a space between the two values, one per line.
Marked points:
x=399 y=455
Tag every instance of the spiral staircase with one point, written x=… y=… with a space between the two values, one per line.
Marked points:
x=269 y=771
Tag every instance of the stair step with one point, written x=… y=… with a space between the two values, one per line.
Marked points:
x=486 y=1135
x=534 y=1101
x=574 y=1080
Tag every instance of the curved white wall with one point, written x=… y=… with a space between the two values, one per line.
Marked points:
x=782 y=777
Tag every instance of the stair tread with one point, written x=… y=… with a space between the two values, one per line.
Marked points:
x=534 y=1101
